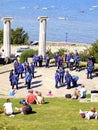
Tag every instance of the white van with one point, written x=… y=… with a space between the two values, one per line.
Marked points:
x=20 y=50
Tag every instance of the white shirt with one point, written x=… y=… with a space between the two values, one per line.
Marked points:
x=8 y=108
x=83 y=92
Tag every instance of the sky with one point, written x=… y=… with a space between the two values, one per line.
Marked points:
x=80 y=18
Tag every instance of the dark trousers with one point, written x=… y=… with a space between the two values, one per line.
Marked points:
x=68 y=85
x=16 y=86
x=89 y=75
x=28 y=84
x=61 y=79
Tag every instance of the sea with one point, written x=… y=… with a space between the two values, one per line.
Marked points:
x=68 y=20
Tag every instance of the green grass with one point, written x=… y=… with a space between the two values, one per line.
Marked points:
x=56 y=114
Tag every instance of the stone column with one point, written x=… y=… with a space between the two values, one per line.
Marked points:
x=7 y=36
x=42 y=35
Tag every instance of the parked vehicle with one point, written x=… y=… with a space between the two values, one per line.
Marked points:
x=20 y=50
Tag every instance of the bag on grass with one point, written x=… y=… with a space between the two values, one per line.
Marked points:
x=68 y=96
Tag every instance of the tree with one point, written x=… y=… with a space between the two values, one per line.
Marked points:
x=94 y=50
x=1 y=36
x=19 y=36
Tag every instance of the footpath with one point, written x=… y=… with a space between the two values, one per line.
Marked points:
x=44 y=82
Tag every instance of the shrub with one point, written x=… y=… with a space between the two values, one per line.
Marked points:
x=94 y=50
x=50 y=53
x=26 y=54
x=84 y=56
x=61 y=51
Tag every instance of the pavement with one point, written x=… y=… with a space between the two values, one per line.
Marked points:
x=43 y=82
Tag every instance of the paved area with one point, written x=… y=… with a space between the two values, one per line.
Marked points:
x=44 y=82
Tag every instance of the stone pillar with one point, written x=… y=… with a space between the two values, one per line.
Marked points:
x=7 y=36
x=42 y=35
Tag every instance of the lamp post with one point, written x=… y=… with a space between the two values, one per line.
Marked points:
x=66 y=37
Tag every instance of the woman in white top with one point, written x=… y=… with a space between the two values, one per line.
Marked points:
x=8 y=109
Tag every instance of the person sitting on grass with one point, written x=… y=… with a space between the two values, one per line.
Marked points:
x=31 y=97
x=8 y=109
x=40 y=98
x=80 y=93
x=92 y=114
x=26 y=108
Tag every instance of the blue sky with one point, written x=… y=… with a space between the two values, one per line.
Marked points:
x=80 y=22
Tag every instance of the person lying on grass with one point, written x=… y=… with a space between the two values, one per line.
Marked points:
x=92 y=114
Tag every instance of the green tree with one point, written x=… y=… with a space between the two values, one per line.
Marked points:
x=94 y=50
x=1 y=36
x=19 y=36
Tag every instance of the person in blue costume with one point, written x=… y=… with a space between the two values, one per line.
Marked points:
x=47 y=59
x=20 y=70
x=32 y=69
x=56 y=58
x=77 y=61
x=57 y=79
x=61 y=73
x=68 y=79
x=26 y=64
x=72 y=61
x=90 y=68
x=40 y=60
x=28 y=79
x=68 y=60
x=35 y=60
x=13 y=77
x=60 y=61
x=74 y=80
x=16 y=63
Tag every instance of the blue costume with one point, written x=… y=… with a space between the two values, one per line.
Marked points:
x=56 y=59
x=32 y=69
x=28 y=79
x=61 y=73
x=35 y=59
x=40 y=60
x=14 y=80
x=57 y=79
x=77 y=61
x=90 y=69
x=68 y=79
x=20 y=70
x=74 y=80
x=60 y=61
x=68 y=60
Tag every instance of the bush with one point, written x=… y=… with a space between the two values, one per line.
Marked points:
x=61 y=51
x=94 y=50
x=50 y=53
x=26 y=54
x=84 y=56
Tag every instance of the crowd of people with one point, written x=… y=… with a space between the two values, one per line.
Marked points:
x=62 y=76
x=26 y=108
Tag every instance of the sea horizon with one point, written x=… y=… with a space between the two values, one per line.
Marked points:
x=68 y=21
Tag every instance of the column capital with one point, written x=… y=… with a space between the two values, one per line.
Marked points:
x=42 y=18
x=5 y=19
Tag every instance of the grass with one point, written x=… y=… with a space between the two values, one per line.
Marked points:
x=56 y=114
